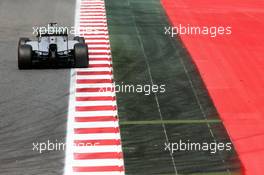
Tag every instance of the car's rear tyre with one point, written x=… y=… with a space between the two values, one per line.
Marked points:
x=80 y=39
x=24 y=56
x=81 y=55
x=23 y=41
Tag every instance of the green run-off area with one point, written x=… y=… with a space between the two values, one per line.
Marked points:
x=144 y=55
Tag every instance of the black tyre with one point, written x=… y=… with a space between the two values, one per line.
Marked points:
x=81 y=55
x=24 y=56
x=23 y=41
x=80 y=39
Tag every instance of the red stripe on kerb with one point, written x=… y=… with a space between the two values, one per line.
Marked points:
x=100 y=66
x=98 y=169
x=91 y=40
x=94 y=14
x=92 y=6
x=91 y=25
x=102 y=155
x=92 y=52
x=89 y=81
x=94 y=72
x=92 y=3
x=101 y=98
x=91 y=89
x=91 y=22
x=98 y=48
x=94 y=30
x=103 y=89
x=84 y=7
x=100 y=59
x=106 y=142
x=96 y=43
x=93 y=18
x=95 y=108
x=99 y=37
x=96 y=130
x=87 y=8
x=95 y=119
x=101 y=11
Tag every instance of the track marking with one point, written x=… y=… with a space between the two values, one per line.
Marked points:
x=93 y=134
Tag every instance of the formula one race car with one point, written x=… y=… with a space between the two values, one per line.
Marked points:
x=52 y=48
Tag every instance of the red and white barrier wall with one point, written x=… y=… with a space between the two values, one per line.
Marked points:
x=93 y=135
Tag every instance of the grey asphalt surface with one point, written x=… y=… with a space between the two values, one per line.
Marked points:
x=33 y=103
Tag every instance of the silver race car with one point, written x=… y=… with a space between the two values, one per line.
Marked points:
x=53 y=49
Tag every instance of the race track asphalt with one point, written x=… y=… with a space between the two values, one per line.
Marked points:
x=33 y=103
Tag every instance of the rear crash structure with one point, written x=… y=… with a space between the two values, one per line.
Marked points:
x=53 y=49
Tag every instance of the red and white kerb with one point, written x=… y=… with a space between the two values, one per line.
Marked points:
x=93 y=135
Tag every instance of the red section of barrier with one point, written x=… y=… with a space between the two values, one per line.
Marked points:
x=231 y=66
